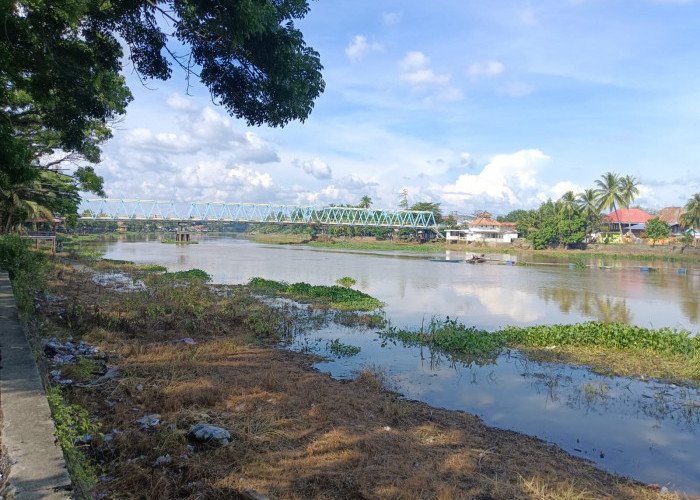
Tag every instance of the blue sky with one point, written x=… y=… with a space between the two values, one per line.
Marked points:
x=477 y=105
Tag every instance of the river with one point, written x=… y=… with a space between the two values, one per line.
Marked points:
x=646 y=430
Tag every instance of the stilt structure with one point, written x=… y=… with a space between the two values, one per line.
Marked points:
x=183 y=232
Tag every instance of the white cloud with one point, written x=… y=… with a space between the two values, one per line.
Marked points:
x=558 y=190
x=467 y=161
x=314 y=167
x=391 y=18
x=359 y=47
x=207 y=132
x=507 y=179
x=485 y=69
x=415 y=71
x=178 y=103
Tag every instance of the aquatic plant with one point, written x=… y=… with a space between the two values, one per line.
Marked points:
x=336 y=297
x=340 y=350
x=346 y=281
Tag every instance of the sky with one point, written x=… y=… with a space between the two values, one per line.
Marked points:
x=477 y=105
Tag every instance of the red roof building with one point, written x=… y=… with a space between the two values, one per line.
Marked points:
x=636 y=216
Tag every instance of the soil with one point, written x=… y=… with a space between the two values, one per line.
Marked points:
x=295 y=432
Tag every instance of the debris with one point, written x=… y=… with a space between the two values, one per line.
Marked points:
x=162 y=460
x=139 y=387
x=252 y=495
x=149 y=421
x=205 y=433
x=186 y=340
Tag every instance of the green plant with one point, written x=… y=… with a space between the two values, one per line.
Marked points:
x=73 y=426
x=346 y=281
x=26 y=268
x=340 y=350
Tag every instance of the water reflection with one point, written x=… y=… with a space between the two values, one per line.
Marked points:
x=605 y=309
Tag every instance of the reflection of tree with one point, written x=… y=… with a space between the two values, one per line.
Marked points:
x=604 y=309
x=690 y=304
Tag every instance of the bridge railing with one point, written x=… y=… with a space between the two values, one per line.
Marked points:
x=203 y=211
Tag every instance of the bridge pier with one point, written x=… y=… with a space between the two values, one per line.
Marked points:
x=183 y=232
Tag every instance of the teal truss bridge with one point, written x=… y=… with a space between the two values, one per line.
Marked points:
x=211 y=211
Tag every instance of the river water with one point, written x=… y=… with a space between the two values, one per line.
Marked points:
x=646 y=430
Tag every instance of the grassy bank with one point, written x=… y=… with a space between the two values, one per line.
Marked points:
x=182 y=352
x=614 y=349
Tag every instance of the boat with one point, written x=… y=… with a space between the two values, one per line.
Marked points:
x=446 y=260
x=476 y=259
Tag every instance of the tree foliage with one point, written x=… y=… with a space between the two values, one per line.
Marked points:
x=657 y=229
x=61 y=87
x=426 y=206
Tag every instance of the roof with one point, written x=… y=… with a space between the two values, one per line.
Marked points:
x=636 y=216
x=671 y=215
x=484 y=221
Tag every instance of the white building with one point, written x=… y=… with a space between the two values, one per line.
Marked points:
x=484 y=228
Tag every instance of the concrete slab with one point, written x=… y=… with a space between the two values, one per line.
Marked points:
x=38 y=470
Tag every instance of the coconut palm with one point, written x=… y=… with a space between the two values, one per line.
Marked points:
x=691 y=217
x=588 y=204
x=365 y=202
x=628 y=192
x=568 y=203
x=608 y=194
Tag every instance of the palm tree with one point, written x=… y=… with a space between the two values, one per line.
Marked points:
x=608 y=194
x=628 y=192
x=691 y=217
x=568 y=203
x=365 y=202
x=588 y=204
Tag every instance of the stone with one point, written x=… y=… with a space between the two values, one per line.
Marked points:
x=205 y=433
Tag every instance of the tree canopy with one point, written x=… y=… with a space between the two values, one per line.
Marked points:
x=61 y=85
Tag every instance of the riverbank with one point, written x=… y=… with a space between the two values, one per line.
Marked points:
x=652 y=253
x=160 y=357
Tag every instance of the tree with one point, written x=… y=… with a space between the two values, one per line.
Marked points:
x=657 y=229
x=568 y=203
x=512 y=216
x=628 y=192
x=365 y=202
x=425 y=206
x=60 y=82
x=403 y=199
x=608 y=194
x=588 y=205
x=691 y=217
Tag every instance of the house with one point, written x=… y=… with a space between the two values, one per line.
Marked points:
x=484 y=228
x=672 y=217
x=632 y=220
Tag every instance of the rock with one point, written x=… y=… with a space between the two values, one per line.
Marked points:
x=205 y=433
x=149 y=421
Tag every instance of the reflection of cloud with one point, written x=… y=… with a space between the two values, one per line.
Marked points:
x=515 y=304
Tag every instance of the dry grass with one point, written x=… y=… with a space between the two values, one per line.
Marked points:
x=296 y=433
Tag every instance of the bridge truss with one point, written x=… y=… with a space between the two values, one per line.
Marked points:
x=205 y=211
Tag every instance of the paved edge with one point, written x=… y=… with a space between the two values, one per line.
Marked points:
x=38 y=470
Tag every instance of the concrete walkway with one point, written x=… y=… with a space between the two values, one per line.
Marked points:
x=38 y=469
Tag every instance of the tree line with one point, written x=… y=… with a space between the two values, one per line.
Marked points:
x=572 y=217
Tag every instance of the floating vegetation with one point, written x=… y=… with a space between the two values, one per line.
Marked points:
x=179 y=242
x=336 y=297
x=614 y=348
x=340 y=350
x=346 y=281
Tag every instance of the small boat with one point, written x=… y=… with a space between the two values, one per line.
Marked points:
x=476 y=259
x=446 y=260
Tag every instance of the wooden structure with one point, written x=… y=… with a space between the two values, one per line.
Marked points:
x=45 y=231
